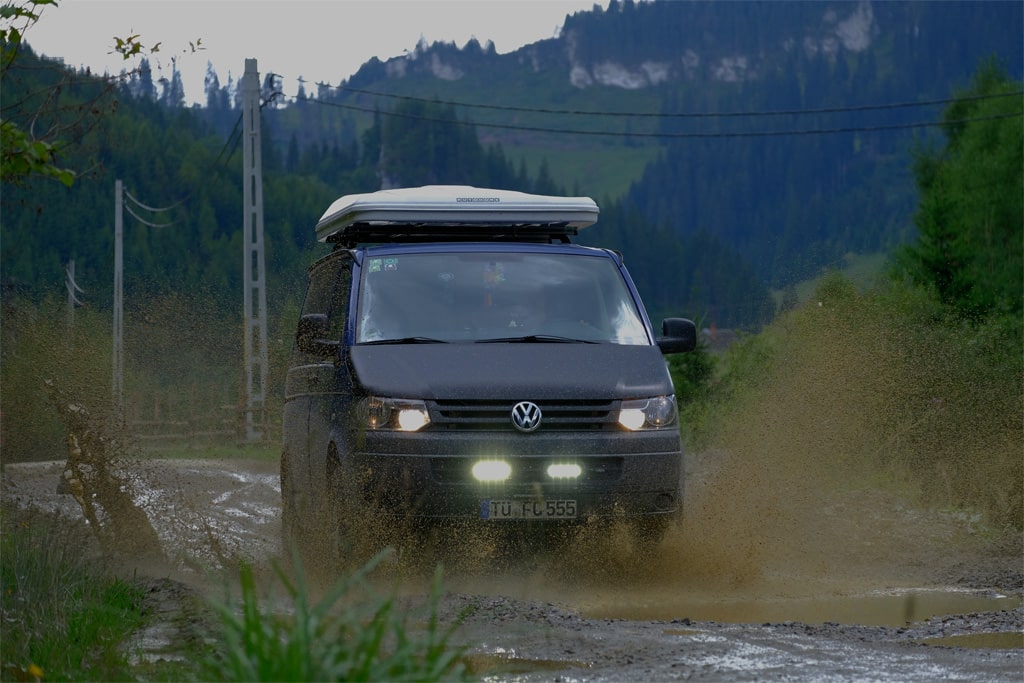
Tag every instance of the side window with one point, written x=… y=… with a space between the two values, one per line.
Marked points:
x=327 y=294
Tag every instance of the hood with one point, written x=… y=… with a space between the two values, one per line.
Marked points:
x=511 y=371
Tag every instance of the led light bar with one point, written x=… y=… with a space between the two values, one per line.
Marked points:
x=564 y=471
x=492 y=470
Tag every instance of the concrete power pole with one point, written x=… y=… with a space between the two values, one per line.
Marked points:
x=118 y=379
x=255 y=294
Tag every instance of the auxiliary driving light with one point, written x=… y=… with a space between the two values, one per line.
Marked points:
x=564 y=471
x=492 y=470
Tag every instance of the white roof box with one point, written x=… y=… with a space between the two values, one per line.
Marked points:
x=390 y=215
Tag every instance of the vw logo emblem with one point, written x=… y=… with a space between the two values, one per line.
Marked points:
x=526 y=416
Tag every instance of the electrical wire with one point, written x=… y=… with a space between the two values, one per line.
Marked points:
x=231 y=142
x=665 y=135
x=150 y=208
x=149 y=224
x=681 y=115
x=72 y=286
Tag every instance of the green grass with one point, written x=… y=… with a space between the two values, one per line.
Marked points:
x=864 y=271
x=64 y=617
x=599 y=172
x=350 y=634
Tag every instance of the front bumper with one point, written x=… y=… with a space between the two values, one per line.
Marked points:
x=429 y=474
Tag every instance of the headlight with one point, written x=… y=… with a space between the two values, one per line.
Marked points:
x=396 y=414
x=648 y=413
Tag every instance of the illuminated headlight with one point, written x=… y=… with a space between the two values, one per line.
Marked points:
x=396 y=414
x=648 y=413
x=492 y=470
x=564 y=471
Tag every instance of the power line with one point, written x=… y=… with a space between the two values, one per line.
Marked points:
x=232 y=141
x=150 y=208
x=165 y=209
x=665 y=135
x=149 y=224
x=683 y=115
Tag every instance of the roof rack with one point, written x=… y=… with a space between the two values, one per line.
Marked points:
x=442 y=213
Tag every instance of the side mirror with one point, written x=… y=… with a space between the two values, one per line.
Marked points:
x=678 y=335
x=311 y=336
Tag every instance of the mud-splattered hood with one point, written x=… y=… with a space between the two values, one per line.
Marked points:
x=513 y=371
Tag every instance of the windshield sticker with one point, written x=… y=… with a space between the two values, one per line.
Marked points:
x=379 y=264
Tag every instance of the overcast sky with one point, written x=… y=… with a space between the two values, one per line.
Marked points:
x=318 y=40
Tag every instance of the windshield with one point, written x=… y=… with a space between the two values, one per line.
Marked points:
x=496 y=296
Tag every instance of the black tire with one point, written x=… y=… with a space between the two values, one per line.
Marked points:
x=295 y=539
x=354 y=531
x=310 y=534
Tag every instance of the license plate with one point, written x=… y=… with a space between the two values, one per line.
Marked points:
x=527 y=509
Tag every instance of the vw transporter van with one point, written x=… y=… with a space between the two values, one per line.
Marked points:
x=459 y=358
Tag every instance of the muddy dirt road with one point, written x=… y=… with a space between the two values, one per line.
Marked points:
x=845 y=584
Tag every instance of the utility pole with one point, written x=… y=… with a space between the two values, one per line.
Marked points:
x=255 y=293
x=117 y=385
x=118 y=381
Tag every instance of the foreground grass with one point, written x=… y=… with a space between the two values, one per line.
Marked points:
x=349 y=634
x=63 y=616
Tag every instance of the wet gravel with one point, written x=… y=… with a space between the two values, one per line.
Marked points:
x=529 y=623
x=620 y=650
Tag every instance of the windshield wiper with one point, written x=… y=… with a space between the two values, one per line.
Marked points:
x=536 y=339
x=405 y=340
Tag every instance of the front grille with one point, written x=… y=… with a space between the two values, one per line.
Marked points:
x=497 y=415
x=529 y=470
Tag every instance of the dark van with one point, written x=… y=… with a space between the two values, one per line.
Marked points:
x=459 y=358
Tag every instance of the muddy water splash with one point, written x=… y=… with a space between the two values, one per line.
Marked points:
x=799 y=511
x=91 y=475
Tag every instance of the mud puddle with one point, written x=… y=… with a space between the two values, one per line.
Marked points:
x=874 y=609
x=506 y=664
x=678 y=599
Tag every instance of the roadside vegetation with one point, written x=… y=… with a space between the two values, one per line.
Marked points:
x=916 y=381
x=884 y=388
x=65 y=617
x=351 y=633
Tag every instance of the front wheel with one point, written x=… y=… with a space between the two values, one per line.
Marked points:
x=294 y=538
x=648 y=532
x=309 y=531
x=356 y=531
